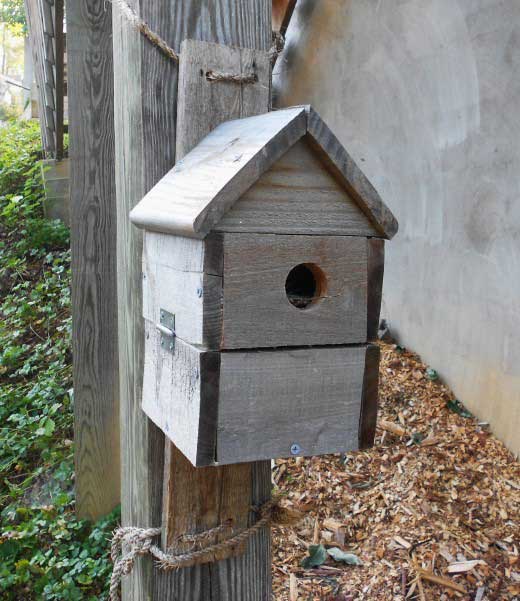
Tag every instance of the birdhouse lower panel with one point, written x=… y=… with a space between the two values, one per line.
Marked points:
x=180 y=393
x=292 y=290
x=235 y=406
x=289 y=402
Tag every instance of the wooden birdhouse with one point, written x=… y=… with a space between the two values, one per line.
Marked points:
x=262 y=274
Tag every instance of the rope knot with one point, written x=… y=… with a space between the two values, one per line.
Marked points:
x=130 y=542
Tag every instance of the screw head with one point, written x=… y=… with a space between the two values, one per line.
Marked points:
x=295 y=449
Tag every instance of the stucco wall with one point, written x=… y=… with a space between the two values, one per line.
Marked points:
x=425 y=94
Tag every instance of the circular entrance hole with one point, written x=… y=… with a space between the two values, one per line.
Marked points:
x=305 y=285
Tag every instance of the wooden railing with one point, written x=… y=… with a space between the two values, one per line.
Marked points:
x=45 y=24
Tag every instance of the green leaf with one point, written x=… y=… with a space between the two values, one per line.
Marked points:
x=431 y=374
x=457 y=407
x=417 y=437
x=317 y=556
x=341 y=556
x=46 y=427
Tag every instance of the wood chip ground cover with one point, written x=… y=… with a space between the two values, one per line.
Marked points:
x=432 y=510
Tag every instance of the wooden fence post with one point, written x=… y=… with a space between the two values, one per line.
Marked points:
x=93 y=241
x=145 y=120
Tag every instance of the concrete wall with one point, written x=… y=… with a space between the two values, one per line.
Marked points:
x=425 y=94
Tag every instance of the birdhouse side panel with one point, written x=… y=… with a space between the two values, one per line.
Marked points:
x=297 y=195
x=370 y=398
x=282 y=291
x=180 y=394
x=289 y=402
x=376 y=269
x=182 y=276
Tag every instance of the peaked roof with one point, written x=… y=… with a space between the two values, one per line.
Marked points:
x=194 y=196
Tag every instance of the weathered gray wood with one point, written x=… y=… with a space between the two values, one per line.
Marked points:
x=256 y=309
x=93 y=240
x=214 y=100
x=272 y=400
x=199 y=190
x=40 y=24
x=195 y=195
x=184 y=254
x=376 y=269
x=180 y=394
x=357 y=184
x=59 y=73
x=226 y=491
x=297 y=195
x=179 y=277
x=370 y=398
x=146 y=96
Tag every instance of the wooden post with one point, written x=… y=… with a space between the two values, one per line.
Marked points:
x=93 y=238
x=41 y=26
x=59 y=72
x=146 y=110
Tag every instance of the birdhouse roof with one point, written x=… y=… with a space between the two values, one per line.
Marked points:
x=193 y=197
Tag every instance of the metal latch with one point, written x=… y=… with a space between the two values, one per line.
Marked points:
x=167 y=329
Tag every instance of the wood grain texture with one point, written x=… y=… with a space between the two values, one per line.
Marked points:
x=356 y=182
x=93 y=241
x=376 y=269
x=256 y=310
x=201 y=188
x=226 y=491
x=146 y=100
x=198 y=192
x=370 y=399
x=59 y=73
x=41 y=22
x=176 y=279
x=297 y=195
x=270 y=400
x=215 y=99
x=180 y=394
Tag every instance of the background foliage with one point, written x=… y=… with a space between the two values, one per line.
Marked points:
x=12 y=12
x=45 y=552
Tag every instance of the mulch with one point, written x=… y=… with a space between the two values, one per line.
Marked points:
x=432 y=510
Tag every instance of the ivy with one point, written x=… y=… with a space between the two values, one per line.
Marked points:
x=45 y=551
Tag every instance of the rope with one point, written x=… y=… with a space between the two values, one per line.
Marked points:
x=133 y=18
x=129 y=543
x=137 y=23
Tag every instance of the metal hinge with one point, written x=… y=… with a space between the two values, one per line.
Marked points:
x=167 y=329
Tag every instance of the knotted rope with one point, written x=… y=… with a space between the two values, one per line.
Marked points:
x=140 y=25
x=129 y=543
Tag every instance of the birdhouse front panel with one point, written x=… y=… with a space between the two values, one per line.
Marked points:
x=262 y=272
x=293 y=290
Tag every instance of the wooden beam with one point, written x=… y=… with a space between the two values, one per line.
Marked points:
x=146 y=110
x=59 y=73
x=40 y=24
x=93 y=239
